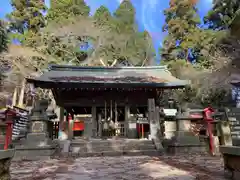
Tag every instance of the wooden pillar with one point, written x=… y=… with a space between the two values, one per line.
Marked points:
x=151 y=118
x=126 y=119
x=70 y=126
x=94 y=121
x=60 y=114
x=99 y=125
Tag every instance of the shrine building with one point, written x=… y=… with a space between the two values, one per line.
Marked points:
x=107 y=101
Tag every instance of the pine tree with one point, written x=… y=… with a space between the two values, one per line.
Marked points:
x=27 y=16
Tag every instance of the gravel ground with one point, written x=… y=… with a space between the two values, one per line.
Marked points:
x=190 y=167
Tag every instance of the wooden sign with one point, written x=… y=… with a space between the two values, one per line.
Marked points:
x=142 y=120
x=170 y=112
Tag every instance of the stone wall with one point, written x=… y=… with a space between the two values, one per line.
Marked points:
x=5 y=162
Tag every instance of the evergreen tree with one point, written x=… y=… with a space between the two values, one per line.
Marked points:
x=181 y=24
x=125 y=17
x=222 y=14
x=26 y=16
x=3 y=37
x=67 y=9
x=102 y=17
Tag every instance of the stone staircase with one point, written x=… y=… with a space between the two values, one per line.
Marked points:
x=112 y=147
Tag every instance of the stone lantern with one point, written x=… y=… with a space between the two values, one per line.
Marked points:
x=38 y=143
x=40 y=125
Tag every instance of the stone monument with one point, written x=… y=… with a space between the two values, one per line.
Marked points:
x=38 y=143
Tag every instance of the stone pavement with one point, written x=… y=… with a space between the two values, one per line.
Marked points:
x=190 y=167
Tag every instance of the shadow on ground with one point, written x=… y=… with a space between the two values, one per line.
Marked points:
x=107 y=168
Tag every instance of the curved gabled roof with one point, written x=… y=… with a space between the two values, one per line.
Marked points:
x=157 y=76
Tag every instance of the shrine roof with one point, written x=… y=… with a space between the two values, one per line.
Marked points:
x=157 y=76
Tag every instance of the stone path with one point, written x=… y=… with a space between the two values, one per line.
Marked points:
x=124 y=168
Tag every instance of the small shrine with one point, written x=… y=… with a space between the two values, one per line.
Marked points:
x=108 y=101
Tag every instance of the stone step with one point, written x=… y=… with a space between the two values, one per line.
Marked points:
x=94 y=146
x=118 y=153
x=109 y=148
x=112 y=143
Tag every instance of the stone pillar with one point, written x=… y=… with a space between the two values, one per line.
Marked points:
x=88 y=129
x=39 y=125
x=37 y=144
x=170 y=126
x=94 y=121
x=154 y=123
x=225 y=133
x=131 y=124
x=184 y=136
x=159 y=138
x=126 y=121
x=60 y=115
x=184 y=125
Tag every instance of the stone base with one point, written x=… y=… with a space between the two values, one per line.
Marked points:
x=231 y=155
x=5 y=162
x=186 y=149
x=184 y=142
x=108 y=147
x=34 y=153
x=236 y=141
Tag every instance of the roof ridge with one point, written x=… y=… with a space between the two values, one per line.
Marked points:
x=55 y=67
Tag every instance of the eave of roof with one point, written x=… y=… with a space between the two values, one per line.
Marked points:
x=154 y=76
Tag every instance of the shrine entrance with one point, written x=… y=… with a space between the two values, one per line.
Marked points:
x=111 y=120
x=117 y=100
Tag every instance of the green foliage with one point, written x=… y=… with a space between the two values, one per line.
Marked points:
x=26 y=15
x=125 y=18
x=65 y=49
x=64 y=10
x=181 y=24
x=122 y=41
x=64 y=52
x=222 y=14
x=103 y=17
x=185 y=37
x=194 y=95
x=3 y=37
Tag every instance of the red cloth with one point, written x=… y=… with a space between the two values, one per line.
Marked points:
x=78 y=126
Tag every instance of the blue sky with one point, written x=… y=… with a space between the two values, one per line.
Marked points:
x=149 y=13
